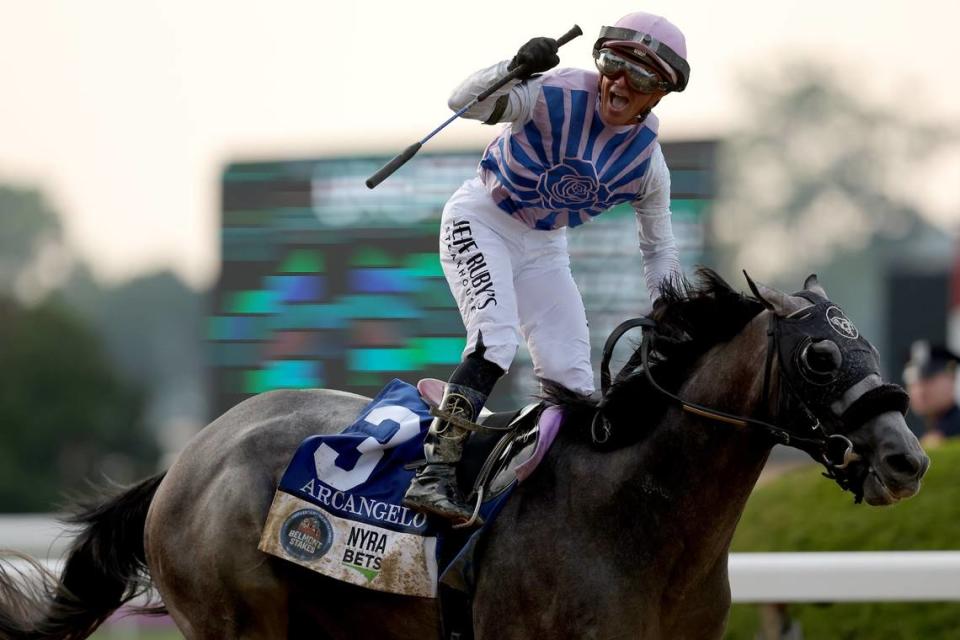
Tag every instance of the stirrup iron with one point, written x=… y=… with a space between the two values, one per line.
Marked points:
x=476 y=512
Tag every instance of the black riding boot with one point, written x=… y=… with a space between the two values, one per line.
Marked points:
x=434 y=488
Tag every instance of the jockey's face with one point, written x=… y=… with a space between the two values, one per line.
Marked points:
x=621 y=104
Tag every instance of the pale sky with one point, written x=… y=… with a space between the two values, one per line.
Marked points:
x=125 y=111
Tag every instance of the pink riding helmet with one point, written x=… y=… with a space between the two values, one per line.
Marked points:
x=647 y=35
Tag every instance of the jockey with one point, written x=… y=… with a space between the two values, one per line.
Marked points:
x=576 y=144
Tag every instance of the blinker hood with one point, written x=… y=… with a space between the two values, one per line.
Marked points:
x=826 y=321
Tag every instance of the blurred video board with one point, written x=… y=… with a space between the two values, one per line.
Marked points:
x=325 y=283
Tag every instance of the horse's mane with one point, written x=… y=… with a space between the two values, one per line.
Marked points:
x=691 y=318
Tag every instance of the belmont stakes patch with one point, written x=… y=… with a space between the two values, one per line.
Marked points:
x=338 y=508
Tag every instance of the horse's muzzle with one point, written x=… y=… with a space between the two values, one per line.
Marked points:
x=897 y=462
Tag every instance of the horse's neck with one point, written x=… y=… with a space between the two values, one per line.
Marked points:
x=731 y=379
x=706 y=468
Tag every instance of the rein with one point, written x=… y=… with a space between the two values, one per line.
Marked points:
x=834 y=451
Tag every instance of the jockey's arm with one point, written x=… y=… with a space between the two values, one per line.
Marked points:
x=512 y=102
x=657 y=244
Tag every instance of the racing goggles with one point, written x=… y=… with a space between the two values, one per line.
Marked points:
x=641 y=80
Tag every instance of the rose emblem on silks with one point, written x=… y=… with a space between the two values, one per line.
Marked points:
x=571 y=185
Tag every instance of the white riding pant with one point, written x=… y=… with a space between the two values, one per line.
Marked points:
x=510 y=280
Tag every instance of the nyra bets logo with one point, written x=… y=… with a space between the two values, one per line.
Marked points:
x=364 y=551
x=841 y=323
x=306 y=534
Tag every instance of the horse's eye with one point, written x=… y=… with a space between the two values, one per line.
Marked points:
x=821 y=360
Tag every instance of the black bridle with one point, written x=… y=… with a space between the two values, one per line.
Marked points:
x=804 y=431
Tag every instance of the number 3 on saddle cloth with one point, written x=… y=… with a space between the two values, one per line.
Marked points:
x=338 y=511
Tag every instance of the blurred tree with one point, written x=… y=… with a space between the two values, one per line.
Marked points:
x=152 y=325
x=65 y=415
x=33 y=258
x=149 y=330
x=152 y=328
x=817 y=171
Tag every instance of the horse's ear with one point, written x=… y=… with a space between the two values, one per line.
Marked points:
x=756 y=290
x=813 y=285
x=777 y=301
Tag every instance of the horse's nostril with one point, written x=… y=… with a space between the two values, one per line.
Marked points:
x=905 y=464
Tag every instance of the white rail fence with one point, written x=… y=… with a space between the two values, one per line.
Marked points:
x=896 y=576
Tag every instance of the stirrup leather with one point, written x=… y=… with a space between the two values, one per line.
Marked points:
x=455 y=418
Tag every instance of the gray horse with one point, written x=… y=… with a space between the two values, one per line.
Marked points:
x=624 y=540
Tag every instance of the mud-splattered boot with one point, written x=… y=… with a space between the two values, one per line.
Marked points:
x=434 y=489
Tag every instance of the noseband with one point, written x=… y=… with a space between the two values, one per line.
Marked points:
x=802 y=399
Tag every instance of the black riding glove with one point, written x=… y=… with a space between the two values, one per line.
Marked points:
x=537 y=56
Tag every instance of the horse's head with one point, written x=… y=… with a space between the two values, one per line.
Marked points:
x=831 y=391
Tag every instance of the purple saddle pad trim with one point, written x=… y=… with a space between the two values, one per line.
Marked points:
x=550 y=421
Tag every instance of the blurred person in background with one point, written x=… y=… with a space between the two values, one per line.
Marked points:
x=931 y=378
x=576 y=144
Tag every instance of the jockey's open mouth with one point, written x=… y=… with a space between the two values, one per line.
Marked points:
x=620 y=102
x=620 y=105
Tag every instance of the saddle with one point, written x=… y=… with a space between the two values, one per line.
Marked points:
x=501 y=448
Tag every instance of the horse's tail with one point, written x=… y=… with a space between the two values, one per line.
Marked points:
x=104 y=568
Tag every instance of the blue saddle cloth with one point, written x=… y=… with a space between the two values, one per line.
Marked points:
x=338 y=508
x=359 y=474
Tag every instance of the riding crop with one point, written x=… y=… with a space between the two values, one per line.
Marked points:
x=387 y=170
